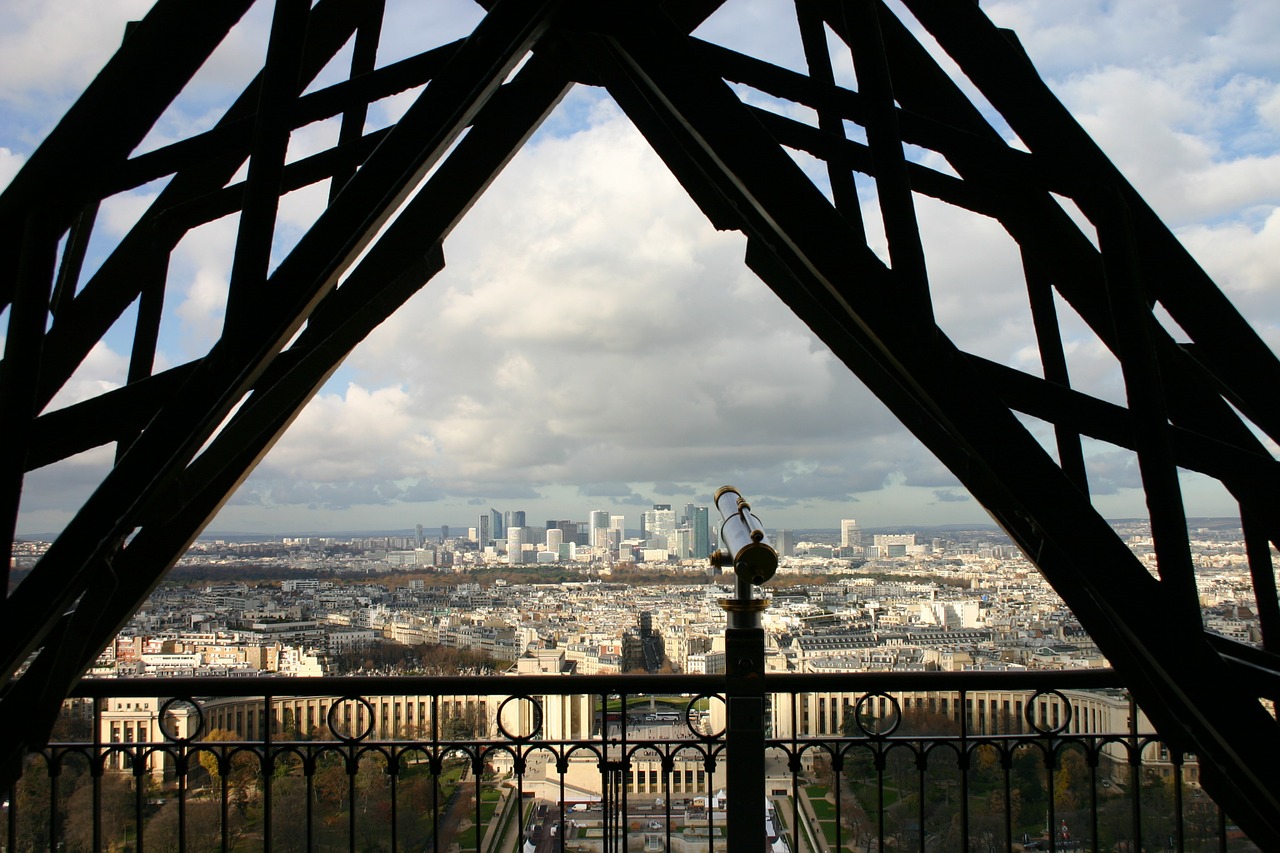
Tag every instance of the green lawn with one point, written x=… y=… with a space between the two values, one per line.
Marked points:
x=866 y=794
x=823 y=810
x=466 y=840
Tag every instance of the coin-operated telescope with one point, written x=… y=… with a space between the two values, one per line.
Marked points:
x=744 y=546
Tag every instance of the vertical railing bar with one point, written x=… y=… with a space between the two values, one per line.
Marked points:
x=837 y=766
x=436 y=767
x=183 y=760
x=611 y=813
x=224 y=767
x=1135 y=773
x=55 y=770
x=709 y=767
x=311 y=793
x=668 y=767
x=477 y=770
x=562 y=766
x=393 y=767
x=1050 y=765
x=795 y=807
x=267 y=766
x=96 y=768
x=620 y=786
x=352 y=768
x=138 y=798
x=963 y=759
x=881 y=759
x=1006 y=763
x=1094 y=749
x=1177 y=801
x=522 y=756
x=922 y=765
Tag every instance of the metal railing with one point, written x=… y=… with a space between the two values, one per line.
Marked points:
x=853 y=762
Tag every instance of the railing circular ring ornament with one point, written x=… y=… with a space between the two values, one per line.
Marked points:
x=162 y=718
x=879 y=727
x=688 y=718
x=1029 y=713
x=331 y=719
x=534 y=731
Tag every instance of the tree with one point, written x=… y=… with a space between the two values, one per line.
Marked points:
x=288 y=814
x=116 y=813
x=33 y=806
x=242 y=779
x=203 y=833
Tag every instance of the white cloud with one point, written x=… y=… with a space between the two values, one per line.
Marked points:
x=1244 y=259
x=593 y=338
x=591 y=326
x=102 y=370
x=51 y=48
x=357 y=436
x=10 y=163
x=198 y=277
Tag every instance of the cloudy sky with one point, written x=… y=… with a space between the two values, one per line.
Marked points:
x=594 y=344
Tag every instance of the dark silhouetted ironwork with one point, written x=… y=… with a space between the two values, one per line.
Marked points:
x=187 y=435
x=912 y=761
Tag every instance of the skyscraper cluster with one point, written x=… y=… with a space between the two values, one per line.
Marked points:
x=683 y=535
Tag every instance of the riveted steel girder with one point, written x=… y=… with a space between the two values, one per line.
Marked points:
x=188 y=435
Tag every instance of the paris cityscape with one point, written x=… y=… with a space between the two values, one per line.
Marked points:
x=616 y=595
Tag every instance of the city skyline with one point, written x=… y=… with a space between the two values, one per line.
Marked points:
x=612 y=347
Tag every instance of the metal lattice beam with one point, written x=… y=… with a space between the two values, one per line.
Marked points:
x=188 y=436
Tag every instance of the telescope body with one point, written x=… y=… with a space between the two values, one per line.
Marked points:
x=743 y=543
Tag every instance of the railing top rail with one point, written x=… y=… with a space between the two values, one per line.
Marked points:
x=450 y=685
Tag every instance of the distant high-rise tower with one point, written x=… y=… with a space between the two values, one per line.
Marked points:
x=444 y=532
x=786 y=543
x=555 y=536
x=850 y=533
x=619 y=523
x=497 y=529
x=658 y=524
x=484 y=534
x=513 y=518
x=421 y=541
x=515 y=541
x=599 y=522
x=700 y=521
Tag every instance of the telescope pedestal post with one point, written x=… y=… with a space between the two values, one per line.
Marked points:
x=745 y=725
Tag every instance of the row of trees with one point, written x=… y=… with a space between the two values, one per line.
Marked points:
x=913 y=789
x=342 y=804
x=427 y=659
